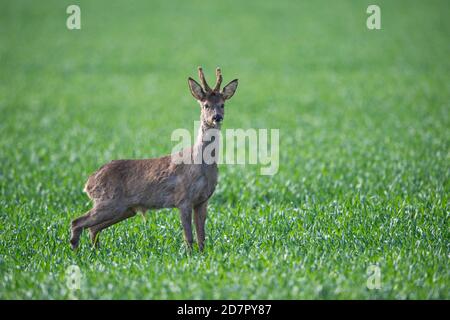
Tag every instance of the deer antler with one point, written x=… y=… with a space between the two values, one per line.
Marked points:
x=203 y=80
x=218 y=79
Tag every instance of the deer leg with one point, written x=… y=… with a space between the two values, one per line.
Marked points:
x=76 y=230
x=95 y=230
x=200 y=213
x=186 y=221
x=97 y=215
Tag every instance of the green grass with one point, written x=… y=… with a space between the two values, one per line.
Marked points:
x=364 y=141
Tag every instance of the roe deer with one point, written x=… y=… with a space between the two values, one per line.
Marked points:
x=122 y=188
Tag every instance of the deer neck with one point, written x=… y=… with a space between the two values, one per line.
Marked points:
x=206 y=147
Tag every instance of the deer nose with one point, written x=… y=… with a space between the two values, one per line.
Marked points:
x=217 y=118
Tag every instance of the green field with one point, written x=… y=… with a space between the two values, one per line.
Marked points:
x=364 y=147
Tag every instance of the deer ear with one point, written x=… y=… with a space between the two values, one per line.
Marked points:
x=196 y=89
x=229 y=90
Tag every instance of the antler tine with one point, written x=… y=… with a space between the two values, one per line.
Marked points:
x=203 y=80
x=218 y=79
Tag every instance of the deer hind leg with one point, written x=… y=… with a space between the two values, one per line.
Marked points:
x=186 y=221
x=76 y=230
x=100 y=213
x=95 y=230
x=200 y=213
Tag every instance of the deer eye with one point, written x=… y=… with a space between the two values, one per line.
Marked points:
x=221 y=106
x=206 y=106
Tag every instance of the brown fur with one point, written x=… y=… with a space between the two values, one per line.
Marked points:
x=122 y=188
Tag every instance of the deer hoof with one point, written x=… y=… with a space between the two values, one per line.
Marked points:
x=74 y=243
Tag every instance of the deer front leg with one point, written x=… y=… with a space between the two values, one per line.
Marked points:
x=186 y=221
x=200 y=212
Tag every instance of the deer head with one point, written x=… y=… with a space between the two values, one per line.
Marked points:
x=212 y=101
